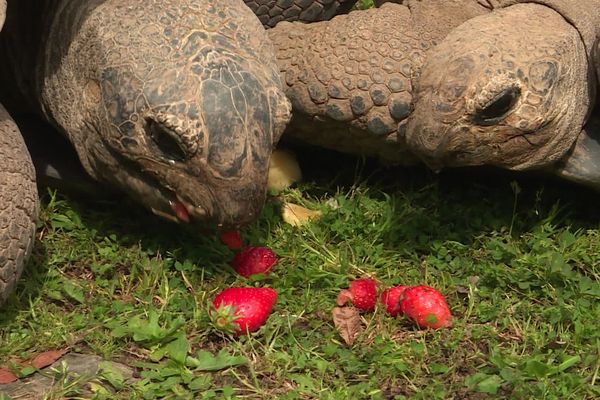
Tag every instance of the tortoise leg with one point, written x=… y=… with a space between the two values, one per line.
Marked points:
x=270 y=12
x=18 y=204
x=18 y=199
x=582 y=163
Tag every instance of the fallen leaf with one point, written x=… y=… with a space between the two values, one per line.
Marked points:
x=347 y=323
x=296 y=215
x=6 y=376
x=47 y=358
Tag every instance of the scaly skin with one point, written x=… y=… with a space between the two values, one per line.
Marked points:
x=177 y=103
x=18 y=200
x=18 y=204
x=512 y=89
x=271 y=12
x=351 y=79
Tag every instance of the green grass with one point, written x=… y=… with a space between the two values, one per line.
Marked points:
x=517 y=258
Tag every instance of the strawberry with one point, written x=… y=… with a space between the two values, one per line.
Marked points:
x=181 y=211
x=390 y=298
x=362 y=293
x=241 y=310
x=232 y=239
x=426 y=306
x=254 y=260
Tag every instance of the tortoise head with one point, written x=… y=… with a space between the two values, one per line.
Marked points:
x=182 y=106
x=510 y=89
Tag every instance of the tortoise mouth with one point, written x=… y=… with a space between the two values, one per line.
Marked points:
x=182 y=211
x=168 y=204
x=156 y=196
x=179 y=211
x=224 y=210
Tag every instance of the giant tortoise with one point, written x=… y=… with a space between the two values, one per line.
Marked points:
x=516 y=89
x=509 y=83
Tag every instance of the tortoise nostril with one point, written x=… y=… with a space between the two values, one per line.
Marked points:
x=165 y=141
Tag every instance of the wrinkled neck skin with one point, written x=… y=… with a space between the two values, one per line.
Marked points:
x=582 y=163
x=504 y=90
x=178 y=103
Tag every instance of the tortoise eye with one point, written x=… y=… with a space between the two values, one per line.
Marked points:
x=166 y=141
x=496 y=110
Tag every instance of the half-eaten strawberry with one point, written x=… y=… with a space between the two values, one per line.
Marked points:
x=232 y=239
x=254 y=260
x=362 y=293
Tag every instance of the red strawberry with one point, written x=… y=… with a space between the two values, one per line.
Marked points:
x=362 y=293
x=391 y=299
x=254 y=260
x=232 y=239
x=241 y=310
x=180 y=210
x=426 y=306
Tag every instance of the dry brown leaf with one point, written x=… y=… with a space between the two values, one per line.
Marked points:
x=47 y=358
x=347 y=322
x=296 y=215
x=6 y=376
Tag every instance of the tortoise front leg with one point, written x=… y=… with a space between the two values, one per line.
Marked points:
x=18 y=199
x=18 y=204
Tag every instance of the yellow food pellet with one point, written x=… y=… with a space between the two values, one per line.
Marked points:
x=283 y=170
